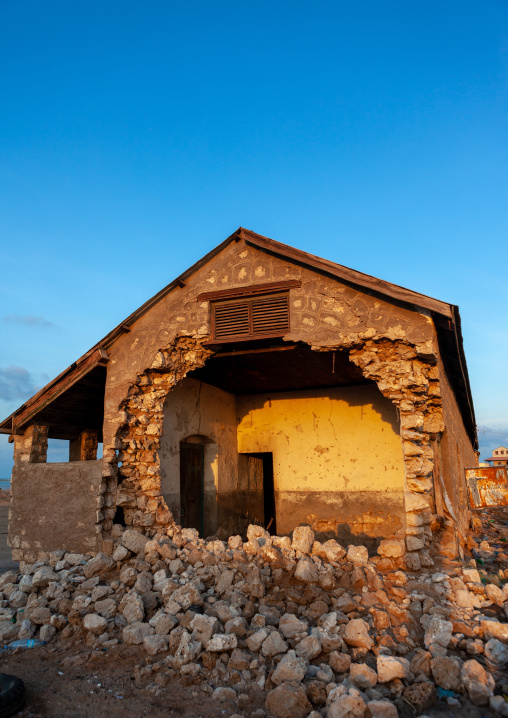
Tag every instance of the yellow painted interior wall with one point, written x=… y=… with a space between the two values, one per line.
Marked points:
x=343 y=439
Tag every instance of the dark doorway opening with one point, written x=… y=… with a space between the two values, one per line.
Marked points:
x=192 y=464
x=270 y=521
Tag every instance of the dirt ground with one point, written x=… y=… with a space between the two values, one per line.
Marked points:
x=87 y=683
x=68 y=680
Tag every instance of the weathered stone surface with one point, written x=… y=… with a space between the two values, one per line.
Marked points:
x=390 y=667
x=446 y=671
x=162 y=623
x=120 y=553
x=356 y=633
x=495 y=594
x=203 y=627
x=132 y=608
x=187 y=596
x=134 y=541
x=330 y=550
x=357 y=555
x=8 y=631
x=362 y=676
x=11 y=577
x=340 y=662
x=256 y=640
x=27 y=629
x=288 y=700
x=98 y=565
x=47 y=633
x=496 y=653
x=135 y=633
x=187 y=650
x=381 y=709
x=464 y=598
x=25 y=584
x=438 y=631
x=18 y=599
x=38 y=614
x=255 y=532
x=273 y=645
x=221 y=642
x=306 y=571
x=155 y=644
x=290 y=668
x=303 y=539
x=106 y=608
x=43 y=577
x=237 y=625
x=95 y=623
x=391 y=548
x=291 y=626
x=422 y=696
x=495 y=629
x=499 y=705
x=224 y=695
x=309 y=647
x=346 y=706
x=478 y=682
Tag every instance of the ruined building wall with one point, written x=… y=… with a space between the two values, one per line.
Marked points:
x=337 y=458
x=394 y=346
x=53 y=506
x=455 y=454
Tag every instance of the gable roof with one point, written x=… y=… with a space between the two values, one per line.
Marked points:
x=446 y=318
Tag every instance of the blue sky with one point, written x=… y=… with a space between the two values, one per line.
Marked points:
x=136 y=136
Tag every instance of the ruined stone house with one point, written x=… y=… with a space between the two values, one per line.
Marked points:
x=264 y=385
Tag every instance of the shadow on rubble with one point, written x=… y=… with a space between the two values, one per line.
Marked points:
x=345 y=537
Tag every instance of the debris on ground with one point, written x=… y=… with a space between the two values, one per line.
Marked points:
x=312 y=629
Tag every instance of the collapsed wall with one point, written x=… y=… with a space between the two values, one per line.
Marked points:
x=407 y=375
x=393 y=344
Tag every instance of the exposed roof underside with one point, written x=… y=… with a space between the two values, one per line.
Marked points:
x=446 y=318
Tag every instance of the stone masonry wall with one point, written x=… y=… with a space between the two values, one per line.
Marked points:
x=393 y=345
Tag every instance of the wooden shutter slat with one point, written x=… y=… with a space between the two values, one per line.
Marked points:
x=266 y=316
x=232 y=320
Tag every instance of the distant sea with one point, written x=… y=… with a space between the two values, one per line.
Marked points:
x=5 y=484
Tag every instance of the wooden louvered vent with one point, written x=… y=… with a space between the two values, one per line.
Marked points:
x=254 y=318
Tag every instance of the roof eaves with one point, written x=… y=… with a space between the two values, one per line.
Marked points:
x=345 y=273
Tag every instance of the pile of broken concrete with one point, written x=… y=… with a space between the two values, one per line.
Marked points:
x=322 y=630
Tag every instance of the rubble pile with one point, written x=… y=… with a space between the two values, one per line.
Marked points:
x=321 y=629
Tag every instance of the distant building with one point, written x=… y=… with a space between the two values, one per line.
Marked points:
x=499 y=457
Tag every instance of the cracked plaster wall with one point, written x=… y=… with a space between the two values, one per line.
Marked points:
x=337 y=458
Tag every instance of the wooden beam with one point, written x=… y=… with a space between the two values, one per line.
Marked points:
x=250 y=290
x=254 y=351
x=350 y=275
x=98 y=358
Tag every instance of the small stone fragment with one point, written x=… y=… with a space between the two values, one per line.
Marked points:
x=362 y=676
x=288 y=700
x=290 y=668
x=95 y=623
x=303 y=539
x=356 y=633
x=478 y=682
x=390 y=667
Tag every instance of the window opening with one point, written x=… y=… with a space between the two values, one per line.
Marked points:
x=251 y=318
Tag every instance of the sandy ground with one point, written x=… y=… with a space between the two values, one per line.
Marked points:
x=84 y=683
